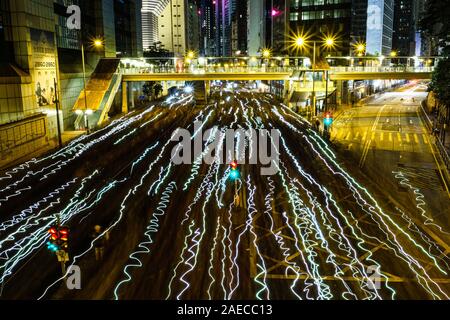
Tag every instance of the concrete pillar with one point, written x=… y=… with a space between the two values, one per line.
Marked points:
x=165 y=88
x=131 y=94
x=287 y=86
x=207 y=90
x=287 y=89
x=124 y=97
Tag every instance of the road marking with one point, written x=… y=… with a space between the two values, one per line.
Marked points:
x=416 y=138
x=408 y=139
x=364 y=136
x=382 y=136
x=399 y=137
x=348 y=136
x=358 y=134
x=368 y=143
x=425 y=139
x=390 y=137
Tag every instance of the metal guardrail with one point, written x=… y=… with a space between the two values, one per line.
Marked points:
x=440 y=147
x=443 y=152
x=382 y=69
x=16 y=134
x=141 y=67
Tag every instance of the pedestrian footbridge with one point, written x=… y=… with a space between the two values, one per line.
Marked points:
x=113 y=75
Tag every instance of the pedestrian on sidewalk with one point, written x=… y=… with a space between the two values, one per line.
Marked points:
x=100 y=243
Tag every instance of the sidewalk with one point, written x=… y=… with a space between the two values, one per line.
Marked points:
x=52 y=145
x=442 y=152
x=433 y=119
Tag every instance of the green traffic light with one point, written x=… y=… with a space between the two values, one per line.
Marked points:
x=234 y=175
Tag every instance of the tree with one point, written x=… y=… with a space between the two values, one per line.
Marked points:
x=440 y=82
x=436 y=23
x=440 y=85
x=158 y=89
x=148 y=89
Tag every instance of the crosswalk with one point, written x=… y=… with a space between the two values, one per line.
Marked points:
x=422 y=178
x=382 y=136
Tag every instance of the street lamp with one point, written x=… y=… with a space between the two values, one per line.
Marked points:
x=190 y=55
x=300 y=42
x=328 y=42
x=266 y=53
x=97 y=43
x=360 y=48
x=393 y=54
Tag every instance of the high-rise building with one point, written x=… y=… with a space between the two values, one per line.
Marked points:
x=380 y=21
x=276 y=15
x=222 y=31
x=404 y=29
x=322 y=18
x=151 y=10
x=223 y=27
x=207 y=28
x=193 y=23
x=173 y=26
x=426 y=45
x=372 y=23
x=256 y=26
x=239 y=28
x=128 y=28
x=359 y=21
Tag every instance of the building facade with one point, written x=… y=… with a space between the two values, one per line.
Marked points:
x=256 y=26
x=321 y=18
x=193 y=23
x=39 y=50
x=207 y=45
x=380 y=22
x=172 y=27
x=151 y=10
x=239 y=29
x=404 y=29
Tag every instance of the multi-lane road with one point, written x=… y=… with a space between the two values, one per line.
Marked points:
x=389 y=141
x=316 y=229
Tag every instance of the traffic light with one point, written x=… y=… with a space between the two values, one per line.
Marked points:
x=328 y=119
x=64 y=237
x=59 y=237
x=234 y=173
x=53 y=243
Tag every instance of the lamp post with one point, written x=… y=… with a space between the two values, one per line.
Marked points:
x=97 y=43
x=393 y=54
x=266 y=54
x=328 y=42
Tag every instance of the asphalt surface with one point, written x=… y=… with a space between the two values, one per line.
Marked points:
x=317 y=229
x=389 y=142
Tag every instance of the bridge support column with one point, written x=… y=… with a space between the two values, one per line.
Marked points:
x=131 y=94
x=165 y=88
x=287 y=90
x=124 y=97
x=207 y=90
